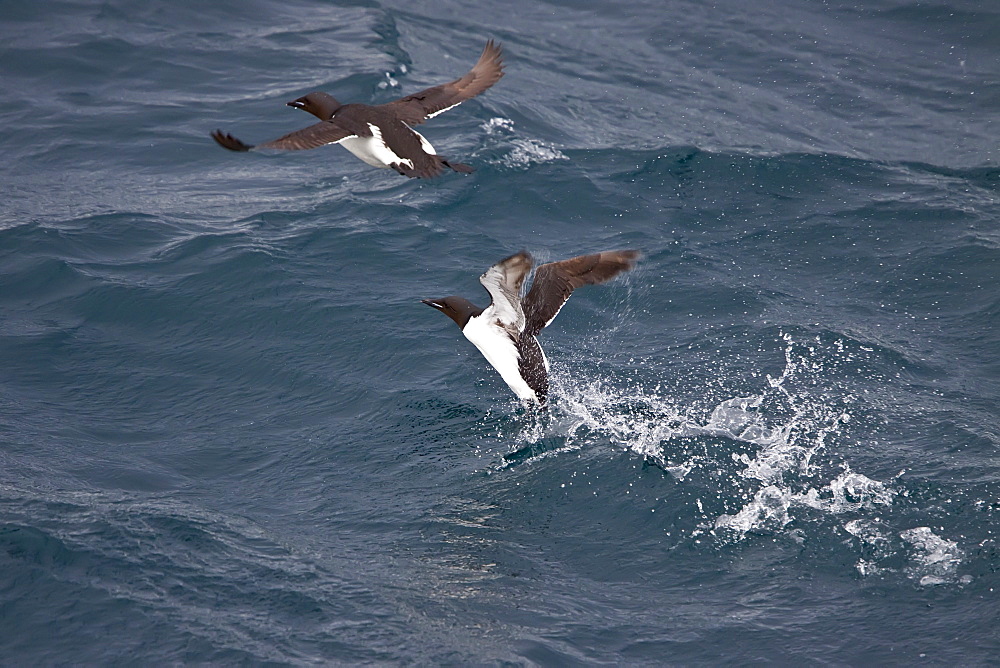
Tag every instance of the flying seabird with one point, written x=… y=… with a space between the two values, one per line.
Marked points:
x=505 y=330
x=381 y=135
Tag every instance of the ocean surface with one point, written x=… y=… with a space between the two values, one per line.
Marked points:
x=230 y=432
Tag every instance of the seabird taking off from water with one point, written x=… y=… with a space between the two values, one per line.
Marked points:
x=505 y=330
x=381 y=134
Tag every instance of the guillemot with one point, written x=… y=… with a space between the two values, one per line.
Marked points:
x=381 y=135
x=505 y=330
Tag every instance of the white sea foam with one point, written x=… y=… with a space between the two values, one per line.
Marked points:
x=847 y=492
x=522 y=152
x=934 y=560
x=390 y=81
x=918 y=552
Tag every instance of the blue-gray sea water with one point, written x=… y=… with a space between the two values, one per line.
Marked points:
x=230 y=432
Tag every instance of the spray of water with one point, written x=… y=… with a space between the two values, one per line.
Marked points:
x=779 y=451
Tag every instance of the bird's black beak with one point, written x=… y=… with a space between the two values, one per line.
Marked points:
x=295 y=103
x=431 y=302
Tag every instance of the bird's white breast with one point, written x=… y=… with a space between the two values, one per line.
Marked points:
x=498 y=349
x=375 y=152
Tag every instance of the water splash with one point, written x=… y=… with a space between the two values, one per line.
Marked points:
x=389 y=81
x=919 y=553
x=769 y=509
x=523 y=152
x=774 y=459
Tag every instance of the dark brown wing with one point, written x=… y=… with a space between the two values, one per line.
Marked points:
x=226 y=140
x=417 y=108
x=318 y=134
x=554 y=282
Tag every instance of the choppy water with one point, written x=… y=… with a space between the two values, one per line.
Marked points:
x=230 y=432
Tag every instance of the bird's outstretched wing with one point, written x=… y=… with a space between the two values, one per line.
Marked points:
x=554 y=282
x=317 y=134
x=417 y=108
x=503 y=281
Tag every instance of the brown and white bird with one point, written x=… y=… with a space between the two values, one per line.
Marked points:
x=381 y=135
x=505 y=330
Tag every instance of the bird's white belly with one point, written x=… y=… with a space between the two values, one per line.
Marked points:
x=375 y=152
x=371 y=150
x=499 y=351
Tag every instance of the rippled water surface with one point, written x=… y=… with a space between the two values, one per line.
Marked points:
x=231 y=433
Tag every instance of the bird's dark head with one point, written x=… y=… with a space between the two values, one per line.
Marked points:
x=321 y=105
x=458 y=309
